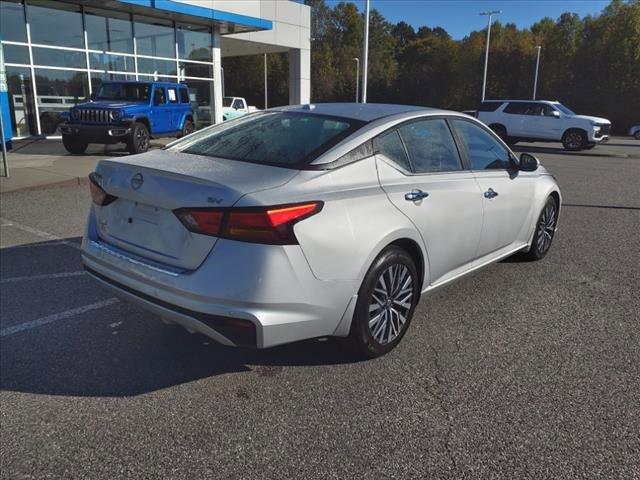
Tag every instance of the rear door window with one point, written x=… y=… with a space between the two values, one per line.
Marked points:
x=172 y=94
x=516 y=108
x=390 y=145
x=431 y=146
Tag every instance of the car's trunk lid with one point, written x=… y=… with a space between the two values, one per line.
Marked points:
x=149 y=187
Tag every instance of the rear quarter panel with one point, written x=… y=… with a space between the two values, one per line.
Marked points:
x=356 y=223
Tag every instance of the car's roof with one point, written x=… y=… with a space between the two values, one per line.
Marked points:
x=366 y=112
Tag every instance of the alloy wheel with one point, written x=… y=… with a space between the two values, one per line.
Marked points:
x=391 y=303
x=142 y=139
x=574 y=140
x=546 y=228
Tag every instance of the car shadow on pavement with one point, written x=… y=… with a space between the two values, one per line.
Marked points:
x=115 y=351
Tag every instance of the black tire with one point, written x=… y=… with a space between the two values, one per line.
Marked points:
x=74 y=145
x=139 y=141
x=187 y=128
x=637 y=135
x=369 y=341
x=501 y=132
x=574 y=140
x=545 y=226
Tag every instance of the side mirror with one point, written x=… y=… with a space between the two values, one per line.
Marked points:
x=555 y=114
x=528 y=163
x=92 y=97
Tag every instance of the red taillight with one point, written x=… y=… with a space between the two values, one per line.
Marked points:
x=98 y=195
x=207 y=222
x=271 y=225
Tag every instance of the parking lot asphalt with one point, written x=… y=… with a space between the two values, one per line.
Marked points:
x=520 y=371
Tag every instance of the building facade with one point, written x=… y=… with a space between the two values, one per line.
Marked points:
x=58 y=52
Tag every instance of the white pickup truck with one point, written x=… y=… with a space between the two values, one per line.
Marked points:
x=233 y=107
x=543 y=121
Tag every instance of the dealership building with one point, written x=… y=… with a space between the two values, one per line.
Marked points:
x=57 y=53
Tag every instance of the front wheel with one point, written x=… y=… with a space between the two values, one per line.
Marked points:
x=545 y=230
x=139 y=141
x=386 y=302
x=574 y=140
x=74 y=145
x=637 y=135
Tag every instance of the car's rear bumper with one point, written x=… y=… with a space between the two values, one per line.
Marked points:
x=97 y=133
x=270 y=286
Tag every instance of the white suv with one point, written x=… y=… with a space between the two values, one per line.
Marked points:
x=543 y=121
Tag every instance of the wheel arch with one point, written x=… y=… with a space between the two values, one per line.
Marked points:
x=144 y=121
x=495 y=125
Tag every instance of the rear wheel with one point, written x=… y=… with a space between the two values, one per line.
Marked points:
x=386 y=302
x=187 y=129
x=74 y=145
x=501 y=132
x=139 y=141
x=545 y=230
x=574 y=140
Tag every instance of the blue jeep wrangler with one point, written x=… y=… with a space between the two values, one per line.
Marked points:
x=131 y=113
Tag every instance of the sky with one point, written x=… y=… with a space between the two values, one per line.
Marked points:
x=460 y=17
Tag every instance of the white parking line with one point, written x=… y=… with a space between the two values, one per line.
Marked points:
x=55 y=317
x=47 y=276
x=38 y=233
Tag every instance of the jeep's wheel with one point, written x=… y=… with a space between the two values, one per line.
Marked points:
x=139 y=141
x=574 y=140
x=74 y=145
x=187 y=128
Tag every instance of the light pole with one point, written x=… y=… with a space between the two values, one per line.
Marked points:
x=357 y=60
x=535 y=79
x=365 y=53
x=486 y=53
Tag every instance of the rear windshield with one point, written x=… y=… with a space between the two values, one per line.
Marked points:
x=284 y=139
x=130 y=92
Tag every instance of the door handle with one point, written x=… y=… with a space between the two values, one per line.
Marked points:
x=490 y=193
x=415 y=195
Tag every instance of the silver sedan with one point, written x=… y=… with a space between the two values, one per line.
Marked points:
x=313 y=221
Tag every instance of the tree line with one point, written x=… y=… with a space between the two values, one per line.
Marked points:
x=591 y=64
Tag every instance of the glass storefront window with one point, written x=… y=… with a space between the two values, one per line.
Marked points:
x=15 y=54
x=201 y=94
x=152 y=66
x=195 y=70
x=155 y=38
x=119 y=63
x=59 y=58
x=21 y=103
x=12 y=23
x=194 y=42
x=55 y=23
x=58 y=91
x=108 y=31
